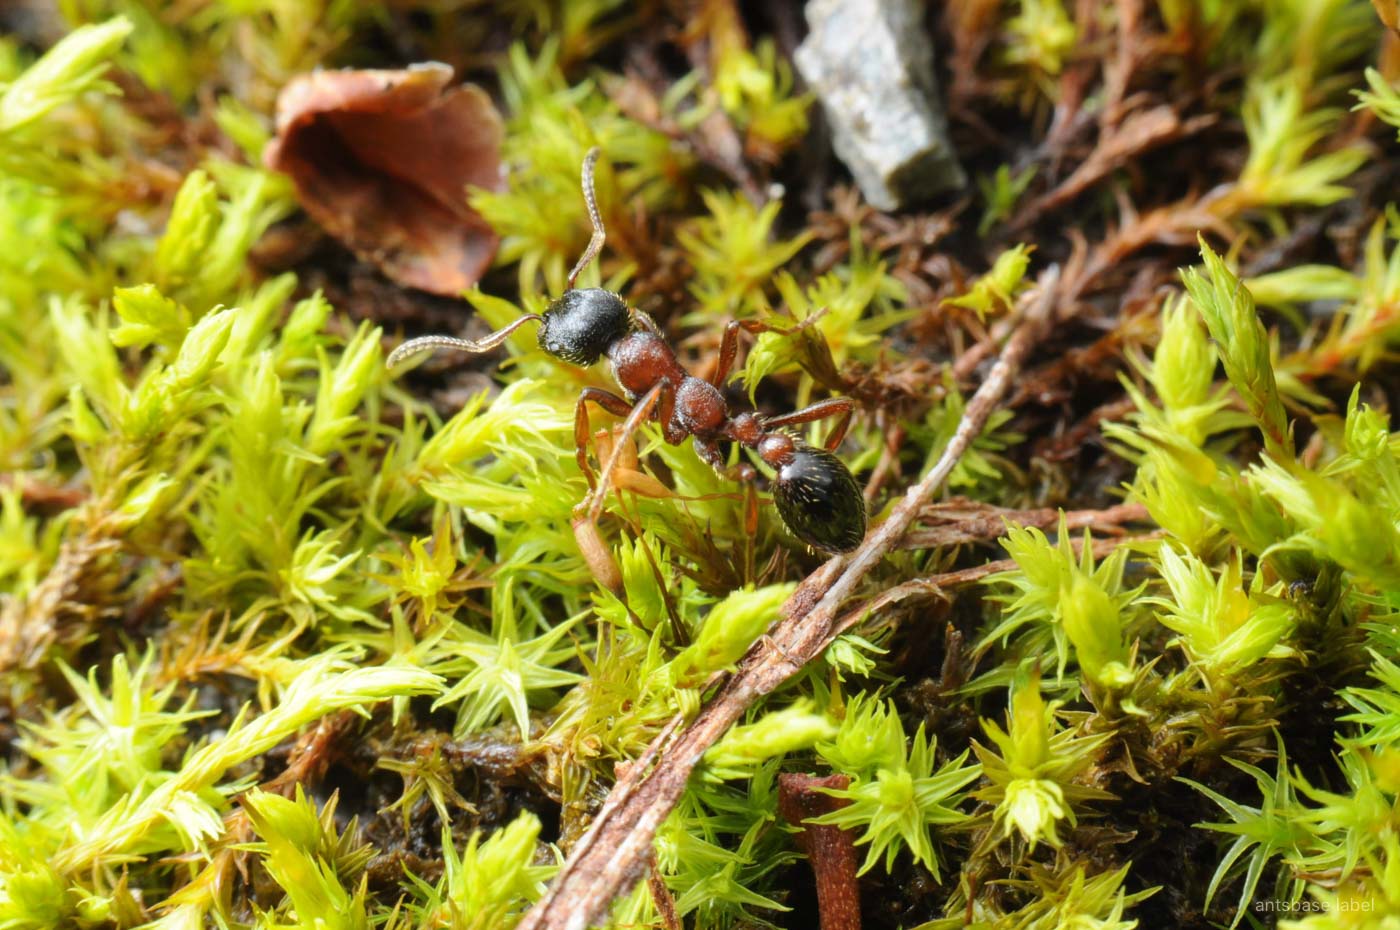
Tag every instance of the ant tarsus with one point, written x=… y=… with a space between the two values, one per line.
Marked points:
x=816 y=496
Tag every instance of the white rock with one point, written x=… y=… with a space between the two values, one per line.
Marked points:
x=870 y=63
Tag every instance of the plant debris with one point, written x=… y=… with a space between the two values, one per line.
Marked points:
x=383 y=161
x=830 y=849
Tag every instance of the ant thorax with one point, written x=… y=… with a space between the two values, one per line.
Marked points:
x=642 y=359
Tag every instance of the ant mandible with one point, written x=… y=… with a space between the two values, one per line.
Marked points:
x=817 y=498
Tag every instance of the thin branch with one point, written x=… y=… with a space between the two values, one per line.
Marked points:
x=982 y=522
x=1141 y=132
x=615 y=852
x=936 y=585
x=37 y=492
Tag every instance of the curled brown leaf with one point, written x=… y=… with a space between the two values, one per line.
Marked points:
x=382 y=161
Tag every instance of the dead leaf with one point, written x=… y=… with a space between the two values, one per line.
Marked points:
x=1389 y=12
x=382 y=161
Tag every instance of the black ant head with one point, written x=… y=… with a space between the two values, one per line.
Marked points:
x=576 y=328
x=579 y=326
x=819 y=500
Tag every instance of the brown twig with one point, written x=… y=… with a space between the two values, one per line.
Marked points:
x=1099 y=360
x=35 y=492
x=312 y=753
x=830 y=849
x=971 y=27
x=716 y=139
x=1067 y=445
x=1177 y=224
x=980 y=522
x=614 y=854
x=1140 y=132
x=937 y=584
x=663 y=899
x=1075 y=82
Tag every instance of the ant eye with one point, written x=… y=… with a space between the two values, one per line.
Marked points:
x=819 y=501
x=579 y=326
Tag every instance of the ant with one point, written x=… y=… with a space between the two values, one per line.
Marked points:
x=817 y=498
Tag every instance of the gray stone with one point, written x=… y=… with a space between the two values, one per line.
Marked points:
x=870 y=63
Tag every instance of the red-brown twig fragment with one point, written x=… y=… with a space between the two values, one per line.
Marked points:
x=1139 y=133
x=382 y=161
x=312 y=753
x=36 y=492
x=663 y=899
x=830 y=849
x=615 y=852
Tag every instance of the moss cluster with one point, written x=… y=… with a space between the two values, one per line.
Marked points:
x=288 y=641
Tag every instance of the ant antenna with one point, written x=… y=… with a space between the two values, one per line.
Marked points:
x=487 y=343
x=484 y=344
x=599 y=234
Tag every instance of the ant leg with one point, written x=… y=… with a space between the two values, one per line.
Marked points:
x=744 y=473
x=583 y=432
x=729 y=346
x=710 y=454
x=596 y=552
x=662 y=395
x=831 y=407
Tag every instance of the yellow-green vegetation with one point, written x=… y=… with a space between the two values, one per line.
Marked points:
x=289 y=640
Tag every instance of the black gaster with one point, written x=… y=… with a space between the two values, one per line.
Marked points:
x=819 y=500
x=579 y=326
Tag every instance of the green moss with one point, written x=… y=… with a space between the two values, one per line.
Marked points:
x=237 y=555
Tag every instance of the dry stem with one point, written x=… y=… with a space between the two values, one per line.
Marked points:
x=967 y=523
x=831 y=850
x=937 y=584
